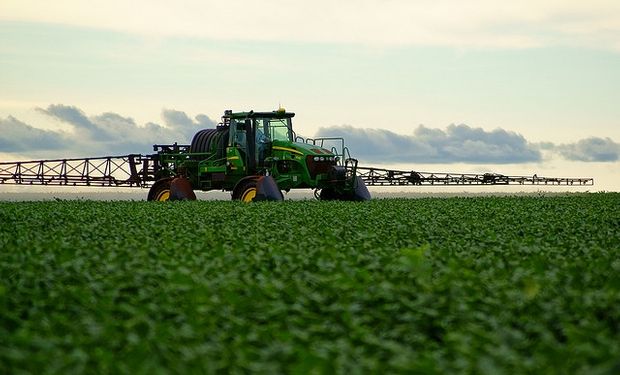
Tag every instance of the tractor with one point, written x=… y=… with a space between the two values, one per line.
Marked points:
x=255 y=155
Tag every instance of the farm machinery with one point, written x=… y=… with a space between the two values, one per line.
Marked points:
x=254 y=155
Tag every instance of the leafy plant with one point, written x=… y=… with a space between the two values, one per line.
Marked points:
x=494 y=284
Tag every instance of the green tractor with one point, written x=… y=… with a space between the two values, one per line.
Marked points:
x=255 y=155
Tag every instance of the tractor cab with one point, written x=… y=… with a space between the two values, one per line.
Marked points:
x=252 y=134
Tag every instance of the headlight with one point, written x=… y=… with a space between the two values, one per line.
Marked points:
x=316 y=158
x=322 y=158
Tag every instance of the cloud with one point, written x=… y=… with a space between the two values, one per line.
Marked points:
x=457 y=143
x=110 y=133
x=104 y=134
x=16 y=136
x=75 y=117
x=591 y=150
x=181 y=122
x=475 y=23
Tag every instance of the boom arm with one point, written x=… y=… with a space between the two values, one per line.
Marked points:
x=137 y=170
x=132 y=170
x=103 y=171
x=389 y=177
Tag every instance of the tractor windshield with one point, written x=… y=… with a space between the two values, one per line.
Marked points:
x=276 y=128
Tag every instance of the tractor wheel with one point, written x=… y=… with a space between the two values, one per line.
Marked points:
x=360 y=193
x=160 y=191
x=245 y=192
x=328 y=194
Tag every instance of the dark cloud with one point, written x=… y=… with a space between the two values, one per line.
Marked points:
x=203 y=121
x=591 y=150
x=181 y=122
x=105 y=134
x=458 y=143
x=16 y=136
x=113 y=134
x=75 y=117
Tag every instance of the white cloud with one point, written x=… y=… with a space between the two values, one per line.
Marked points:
x=477 y=23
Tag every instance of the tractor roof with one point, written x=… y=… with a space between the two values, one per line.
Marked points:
x=273 y=114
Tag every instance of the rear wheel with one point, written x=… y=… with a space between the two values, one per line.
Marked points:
x=245 y=192
x=160 y=191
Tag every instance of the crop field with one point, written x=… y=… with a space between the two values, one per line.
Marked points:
x=458 y=285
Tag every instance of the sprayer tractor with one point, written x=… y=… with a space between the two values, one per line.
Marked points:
x=253 y=155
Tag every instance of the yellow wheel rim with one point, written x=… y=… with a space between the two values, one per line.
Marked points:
x=248 y=195
x=163 y=195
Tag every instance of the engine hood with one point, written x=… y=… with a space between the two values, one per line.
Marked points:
x=301 y=148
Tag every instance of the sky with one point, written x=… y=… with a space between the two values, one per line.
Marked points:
x=446 y=86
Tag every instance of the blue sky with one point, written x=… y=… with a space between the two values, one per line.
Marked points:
x=536 y=80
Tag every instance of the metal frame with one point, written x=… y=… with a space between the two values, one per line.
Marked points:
x=389 y=177
x=137 y=170
x=101 y=171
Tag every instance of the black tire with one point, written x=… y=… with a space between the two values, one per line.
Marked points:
x=160 y=191
x=328 y=194
x=246 y=191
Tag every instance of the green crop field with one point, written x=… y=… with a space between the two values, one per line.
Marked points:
x=459 y=285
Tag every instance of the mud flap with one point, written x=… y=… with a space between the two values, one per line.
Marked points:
x=361 y=191
x=267 y=190
x=181 y=190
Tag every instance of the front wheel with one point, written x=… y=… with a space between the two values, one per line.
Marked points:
x=160 y=191
x=359 y=193
x=328 y=194
x=246 y=192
